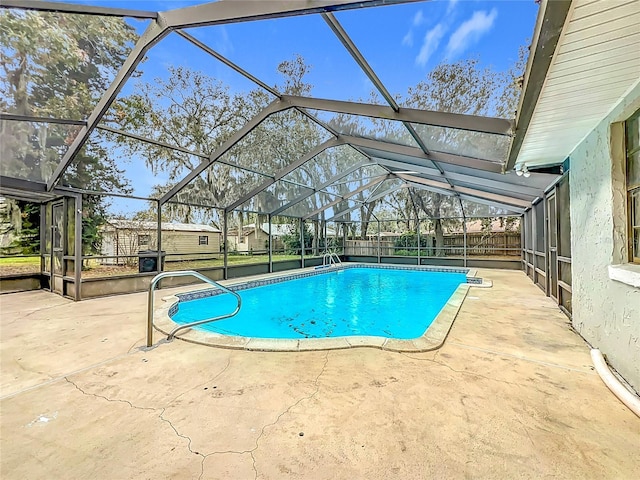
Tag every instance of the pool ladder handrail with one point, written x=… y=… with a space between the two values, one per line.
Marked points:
x=331 y=257
x=185 y=273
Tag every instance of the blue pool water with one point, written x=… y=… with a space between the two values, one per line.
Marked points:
x=355 y=301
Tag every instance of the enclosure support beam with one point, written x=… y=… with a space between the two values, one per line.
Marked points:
x=347 y=196
x=225 y=243
x=42 y=6
x=152 y=35
x=43 y=216
x=217 y=13
x=273 y=107
x=344 y=38
x=344 y=239
x=284 y=171
x=370 y=199
x=342 y=35
x=149 y=140
x=470 y=191
x=78 y=248
x=545 y=209
x=228 y=62
x=329 y=182
x=301 y=223
x=255 y=80
x=173 y=147
x=464 y=231
x=270 y=246
x=483 y=201
x=378 y=241
x=418 y=235
x=474 y=123
x=506 y=181
x=159 y=233
x=377 y=148
x=471 y=197
x=14 y=117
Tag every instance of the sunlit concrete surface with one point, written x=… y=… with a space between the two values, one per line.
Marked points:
x=511 y=394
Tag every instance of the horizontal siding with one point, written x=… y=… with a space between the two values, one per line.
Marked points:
x=188 y=242
x=591 y=8
x=611 y=47
x=579 y=44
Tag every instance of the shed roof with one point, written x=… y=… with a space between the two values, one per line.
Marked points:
x=166 y=226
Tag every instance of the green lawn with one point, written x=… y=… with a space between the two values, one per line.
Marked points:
x=10 y=261
x=16 y=265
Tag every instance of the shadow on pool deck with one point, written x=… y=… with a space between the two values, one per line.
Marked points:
x=510 y=394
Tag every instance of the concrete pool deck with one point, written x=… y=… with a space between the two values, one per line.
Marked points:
x=511 y=394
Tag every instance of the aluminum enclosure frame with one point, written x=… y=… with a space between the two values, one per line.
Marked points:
x=385 y=154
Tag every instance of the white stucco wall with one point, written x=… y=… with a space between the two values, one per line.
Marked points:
x=605 y=312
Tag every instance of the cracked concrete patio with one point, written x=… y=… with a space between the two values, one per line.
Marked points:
x=511 y=394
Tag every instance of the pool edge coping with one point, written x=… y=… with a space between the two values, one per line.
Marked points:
x=432 y=339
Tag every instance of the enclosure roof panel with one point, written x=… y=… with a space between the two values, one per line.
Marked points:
x=296 y=154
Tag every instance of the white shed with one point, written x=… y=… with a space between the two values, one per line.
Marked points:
x=183 y=241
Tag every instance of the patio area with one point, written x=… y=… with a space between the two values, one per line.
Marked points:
x=511 y=394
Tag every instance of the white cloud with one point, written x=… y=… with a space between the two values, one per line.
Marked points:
x=451 y=6
x=430 y=44
x=408 y=39
x=224 y=44
x=418 y=18
x=469 y=32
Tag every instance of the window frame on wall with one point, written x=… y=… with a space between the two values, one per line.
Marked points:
x=203 y=239
x=632 y=148
x=144 y=239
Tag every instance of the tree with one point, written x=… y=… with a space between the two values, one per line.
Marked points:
x=195 y=112
x=460 y=87
x=292 y=241
x=58 y=65
x=55 y=65
x=29 y=239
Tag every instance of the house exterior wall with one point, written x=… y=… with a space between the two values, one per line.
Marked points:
x=252 y=243
x=188 y=242
x=125 y=242
x=605 y=312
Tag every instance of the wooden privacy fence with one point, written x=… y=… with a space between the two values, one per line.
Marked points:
x=478 y=244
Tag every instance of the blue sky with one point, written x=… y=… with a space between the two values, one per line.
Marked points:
x=401 y=42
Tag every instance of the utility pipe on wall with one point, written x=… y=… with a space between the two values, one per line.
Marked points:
x=619 y=390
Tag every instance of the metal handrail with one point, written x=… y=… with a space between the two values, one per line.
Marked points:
x=330 y=257
x=184 y=273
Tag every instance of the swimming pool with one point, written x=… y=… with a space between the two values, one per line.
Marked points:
x=354 y=302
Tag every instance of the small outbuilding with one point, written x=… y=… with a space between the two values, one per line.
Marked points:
x=183 y=241
x=250 y=239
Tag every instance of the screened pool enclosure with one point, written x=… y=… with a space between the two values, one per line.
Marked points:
x=277 y=175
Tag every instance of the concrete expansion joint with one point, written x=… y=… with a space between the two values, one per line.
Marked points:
x=31 y=370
